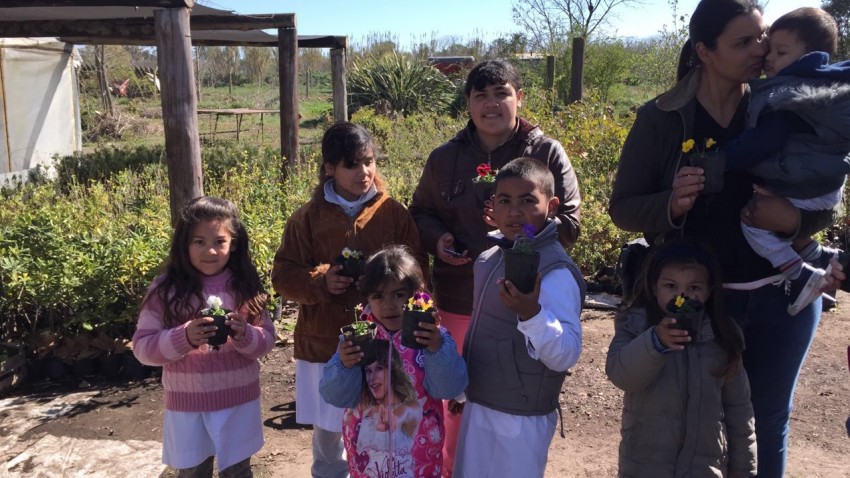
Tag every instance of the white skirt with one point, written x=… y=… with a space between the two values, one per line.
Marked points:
x=232 y=435
x=310 y=407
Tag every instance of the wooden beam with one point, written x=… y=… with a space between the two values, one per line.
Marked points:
x=98 y=3
x=288 y=73
x=179 y=107
x=340 y=92
x=137 y=28
x=324 y=42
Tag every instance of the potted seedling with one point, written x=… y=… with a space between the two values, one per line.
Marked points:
x=418 y=309
x=219 y=315
x=712 y=162
x=484 y=183
x=352 y=263
x=688 y=313
x=361 y=333
x=110 y=359
x=131 y=368
x=521 y=261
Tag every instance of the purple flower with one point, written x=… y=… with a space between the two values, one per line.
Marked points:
x=528 y=231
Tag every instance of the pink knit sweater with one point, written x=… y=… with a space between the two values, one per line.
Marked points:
x=202 y=379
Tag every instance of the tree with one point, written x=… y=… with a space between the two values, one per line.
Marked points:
x=550 y=21
x=840 y=10
x=256 y=63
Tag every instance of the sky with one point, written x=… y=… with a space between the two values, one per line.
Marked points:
x=412 y=22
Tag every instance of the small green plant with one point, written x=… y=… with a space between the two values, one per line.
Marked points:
x=214 y=305
x=358 y=327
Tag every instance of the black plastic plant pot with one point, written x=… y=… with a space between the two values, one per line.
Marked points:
x=521 y=269
x=483 y=191
x=86 y=367
x=366 y=342
x=689 y=321
x=714 y=165
x=55 y=368
x=110 y=366
x=351 y=267
x=410 y=323
x=222 y=330
x=132 y=368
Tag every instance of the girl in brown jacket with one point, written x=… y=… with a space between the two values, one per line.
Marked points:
x=686 y=410
x=349 y=209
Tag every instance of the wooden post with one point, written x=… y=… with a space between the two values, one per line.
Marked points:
x=340 y=91
x=577 y=74
x=179 y=107
x=288 y=71
x=549 y=81
x=105 y=95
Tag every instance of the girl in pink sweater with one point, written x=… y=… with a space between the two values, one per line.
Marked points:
x=212 y=394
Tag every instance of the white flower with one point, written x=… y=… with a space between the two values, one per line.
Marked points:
x=214 y=302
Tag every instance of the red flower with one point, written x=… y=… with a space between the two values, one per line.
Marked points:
x=483 y=170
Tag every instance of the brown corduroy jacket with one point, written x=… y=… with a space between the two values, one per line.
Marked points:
x=313 y=238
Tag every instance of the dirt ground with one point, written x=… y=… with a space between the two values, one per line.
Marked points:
x=91 y=430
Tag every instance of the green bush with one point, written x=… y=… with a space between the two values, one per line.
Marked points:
x=402 y=84
x=592 y=136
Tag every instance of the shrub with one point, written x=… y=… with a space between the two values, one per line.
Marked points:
x=404 y=85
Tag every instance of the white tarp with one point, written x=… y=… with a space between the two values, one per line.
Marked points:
x=39 y=105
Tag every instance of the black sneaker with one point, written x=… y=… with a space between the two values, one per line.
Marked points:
x=803 y=290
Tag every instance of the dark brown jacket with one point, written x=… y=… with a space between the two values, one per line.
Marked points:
x=444 y=201
x=313 y=238
x=643 y=186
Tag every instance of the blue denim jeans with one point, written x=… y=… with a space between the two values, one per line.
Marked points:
x=776 y=346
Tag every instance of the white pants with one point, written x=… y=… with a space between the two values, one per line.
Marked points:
x=492 y=443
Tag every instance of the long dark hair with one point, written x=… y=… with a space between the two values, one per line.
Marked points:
x=707 y=23
x=182 y=282
x=341 y=144
x=689 y=252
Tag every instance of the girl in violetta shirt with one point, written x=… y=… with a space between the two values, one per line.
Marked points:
x=393 y=423
x=212 y=394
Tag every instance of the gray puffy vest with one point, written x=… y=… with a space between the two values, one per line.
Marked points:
x=502 y=376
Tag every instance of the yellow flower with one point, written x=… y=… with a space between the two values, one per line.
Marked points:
x=346 y=253
x=680 y=301
x=710 y=142
x=687 y=146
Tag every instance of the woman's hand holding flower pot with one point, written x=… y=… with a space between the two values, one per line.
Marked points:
x=686 y=187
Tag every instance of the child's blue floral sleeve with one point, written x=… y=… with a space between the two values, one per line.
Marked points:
x=340 y=386
x=445 y=370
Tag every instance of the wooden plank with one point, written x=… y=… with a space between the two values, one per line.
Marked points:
x=98 y=3
x=137 y=28
x=340 y=90
x=179 y=107
x=288 y=73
